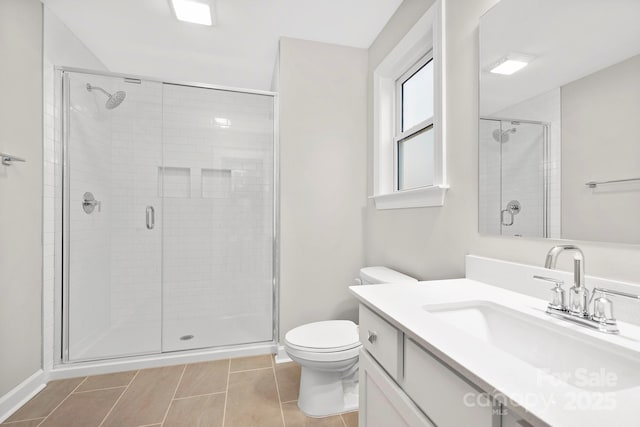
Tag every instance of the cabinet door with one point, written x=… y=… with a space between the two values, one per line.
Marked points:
x=382 y=402
x=446 y=398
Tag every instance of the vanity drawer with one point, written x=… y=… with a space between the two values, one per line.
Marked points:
x=382 y=340
x=440 y=392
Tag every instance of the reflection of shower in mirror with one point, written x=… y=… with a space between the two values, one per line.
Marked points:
x=113 y=99
x=513 y=169
x=504 y=135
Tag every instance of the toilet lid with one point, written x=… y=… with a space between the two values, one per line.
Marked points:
x=326 y=336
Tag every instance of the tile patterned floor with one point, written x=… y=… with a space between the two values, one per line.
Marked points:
x=244 y=392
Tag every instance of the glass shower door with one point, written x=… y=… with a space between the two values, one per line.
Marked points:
x=112 y=214
x=218 y=218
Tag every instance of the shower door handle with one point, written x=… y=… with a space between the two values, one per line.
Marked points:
x=513 y=208
x=151 y=217
x=502 y=221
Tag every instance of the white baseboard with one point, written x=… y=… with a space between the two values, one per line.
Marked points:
x=282 y=356
x=81 y=369
x=19 y=395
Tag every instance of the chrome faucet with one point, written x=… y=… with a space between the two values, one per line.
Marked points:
x=578 y=294
x=577 y=310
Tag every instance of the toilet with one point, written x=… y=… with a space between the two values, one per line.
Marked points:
x=328 y=351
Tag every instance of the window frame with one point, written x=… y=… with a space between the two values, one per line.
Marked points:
x=401 y=135
x=426 y=36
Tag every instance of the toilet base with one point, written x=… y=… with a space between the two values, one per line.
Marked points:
x=324 y=393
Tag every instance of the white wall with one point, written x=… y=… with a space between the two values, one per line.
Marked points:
x=600 y=142
x=21 y=192
x=431 y=242
x=322 y=179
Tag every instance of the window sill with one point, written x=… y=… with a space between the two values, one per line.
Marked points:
x=416 y=198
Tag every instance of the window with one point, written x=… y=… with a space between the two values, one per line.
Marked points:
x=408 y=119
x=413 y=141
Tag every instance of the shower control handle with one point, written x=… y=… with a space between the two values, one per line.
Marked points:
x=89 y=203
x=151 y=217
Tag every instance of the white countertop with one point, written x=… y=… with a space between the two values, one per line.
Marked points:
x=545 y=399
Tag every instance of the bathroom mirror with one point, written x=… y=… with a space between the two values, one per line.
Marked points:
x=559 y=131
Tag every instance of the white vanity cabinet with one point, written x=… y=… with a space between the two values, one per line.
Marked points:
x=402 y=384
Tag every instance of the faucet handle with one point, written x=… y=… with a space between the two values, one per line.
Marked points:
x=557 y=299
x=603 y=306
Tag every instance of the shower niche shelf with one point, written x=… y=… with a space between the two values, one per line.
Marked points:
x=216 y=183
x=174 y=182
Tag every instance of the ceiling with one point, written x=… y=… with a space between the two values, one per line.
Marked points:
x=569 y=39
x=143 y=37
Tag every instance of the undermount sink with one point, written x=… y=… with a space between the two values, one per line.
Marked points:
x=569 y=356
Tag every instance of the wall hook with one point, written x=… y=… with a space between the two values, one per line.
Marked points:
x=8 y=159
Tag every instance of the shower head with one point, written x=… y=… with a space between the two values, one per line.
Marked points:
x=113 y=99
x=504 y=135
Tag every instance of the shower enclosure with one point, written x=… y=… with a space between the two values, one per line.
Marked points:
x=168 y=223
x=513 y=178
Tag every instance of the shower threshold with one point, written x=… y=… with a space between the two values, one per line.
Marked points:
x=121 y=364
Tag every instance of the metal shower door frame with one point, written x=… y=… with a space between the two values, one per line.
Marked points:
x=62 y=327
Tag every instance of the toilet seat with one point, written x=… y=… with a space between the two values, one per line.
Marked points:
x=329 y=336
x=326 y=341
x=309 y=355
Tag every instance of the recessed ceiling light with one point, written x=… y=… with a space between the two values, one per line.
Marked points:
x=222 y=122
x=510 y=64
x=194 y=11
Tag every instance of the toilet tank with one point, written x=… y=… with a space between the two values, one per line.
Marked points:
x=377 y=275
